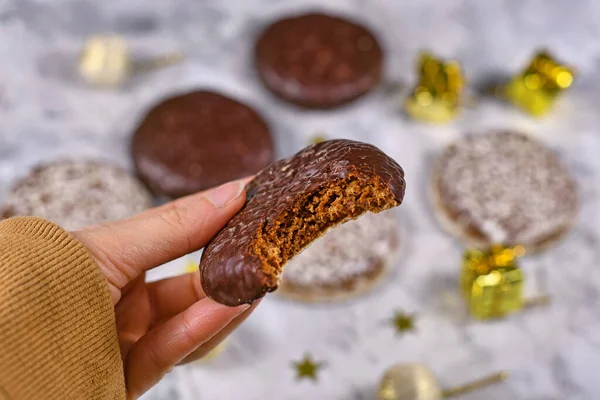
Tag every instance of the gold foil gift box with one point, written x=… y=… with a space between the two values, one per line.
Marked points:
x=537 y=87
x=492 y=282
x=437 y=95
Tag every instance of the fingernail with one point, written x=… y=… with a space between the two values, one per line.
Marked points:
x=222 y=195
x=243 y=308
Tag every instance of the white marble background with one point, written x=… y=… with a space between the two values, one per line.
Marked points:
x=552 y=353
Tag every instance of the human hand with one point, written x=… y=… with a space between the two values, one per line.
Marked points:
x=165 y=323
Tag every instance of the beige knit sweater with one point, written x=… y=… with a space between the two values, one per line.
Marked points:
x=57 y=324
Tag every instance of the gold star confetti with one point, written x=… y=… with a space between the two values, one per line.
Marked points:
x=307 y=368
x=403 y=323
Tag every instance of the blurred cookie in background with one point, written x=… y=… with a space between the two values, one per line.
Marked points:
x=346 y=262
x=199 y=140
x=318 y=61
x=503 y=187
x=77 y=193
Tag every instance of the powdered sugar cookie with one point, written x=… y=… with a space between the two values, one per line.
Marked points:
x=504 y=187
x=346 y=262
x=77 y=193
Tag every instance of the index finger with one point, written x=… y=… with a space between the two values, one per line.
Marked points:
x=125 y=249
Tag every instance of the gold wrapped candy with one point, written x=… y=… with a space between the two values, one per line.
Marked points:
x=417 y=382
x=536 y=88
x=437 y=96
x=492 y=282
x=107 y=61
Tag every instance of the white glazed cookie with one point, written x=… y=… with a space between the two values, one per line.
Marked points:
x=503 y=187
x=77 y=193
x=347 y=261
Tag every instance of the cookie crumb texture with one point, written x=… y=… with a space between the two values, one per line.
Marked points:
x=77 y=193
x=504 y=187
x=290 y=204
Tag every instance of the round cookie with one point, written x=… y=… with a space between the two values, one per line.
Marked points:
x=290 y=204
x=503 y=187
x=77 y=193
x=318 y=61
x=346 y=262
x=198 y=140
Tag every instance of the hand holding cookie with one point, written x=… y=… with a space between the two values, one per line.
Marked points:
x=290 y=204
x=164 y=323
x=250 y=230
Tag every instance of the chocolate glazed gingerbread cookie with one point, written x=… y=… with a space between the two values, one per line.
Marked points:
x=288 y=205
x=198 y=140
x=318 y=61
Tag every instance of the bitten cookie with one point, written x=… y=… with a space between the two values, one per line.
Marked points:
x=503 y=187
x=347 y=261
x=318 y=61
x=288 y=205
x=77 y=193
x=199 y=140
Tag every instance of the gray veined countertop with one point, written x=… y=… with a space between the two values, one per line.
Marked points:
x=552 y=353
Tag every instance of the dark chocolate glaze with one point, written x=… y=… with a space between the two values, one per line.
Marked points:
x=230 y=273
x=318 y=61
x=199 y=140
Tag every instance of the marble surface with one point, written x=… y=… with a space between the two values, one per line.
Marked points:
x=552 y=353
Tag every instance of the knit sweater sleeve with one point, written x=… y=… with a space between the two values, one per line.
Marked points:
x=58 y=338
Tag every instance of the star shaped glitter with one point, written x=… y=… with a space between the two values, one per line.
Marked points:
x=403 y=323
x=307 y=368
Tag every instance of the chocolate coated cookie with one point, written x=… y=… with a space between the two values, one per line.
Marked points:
x=199 y=140
x=77 y=193
x=318 y=61
x=288 y=205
